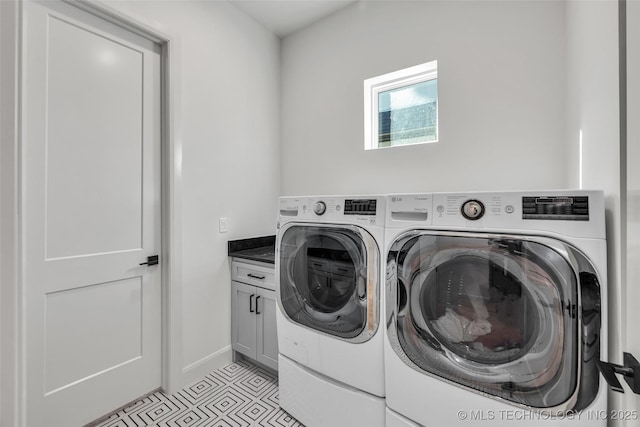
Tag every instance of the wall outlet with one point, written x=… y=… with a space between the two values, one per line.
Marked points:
x=223 y=225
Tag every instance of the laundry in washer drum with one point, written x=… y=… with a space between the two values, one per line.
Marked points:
x=472 y=302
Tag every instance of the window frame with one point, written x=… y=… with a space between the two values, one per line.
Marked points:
x=394 y=80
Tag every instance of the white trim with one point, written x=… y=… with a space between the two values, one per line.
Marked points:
x=204 y=366
x=373 y=86
x=172 y=379
x=11 y=377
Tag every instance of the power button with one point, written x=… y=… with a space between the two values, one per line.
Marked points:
x=472 y=209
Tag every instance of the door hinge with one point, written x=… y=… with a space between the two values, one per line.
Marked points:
x=630 y=370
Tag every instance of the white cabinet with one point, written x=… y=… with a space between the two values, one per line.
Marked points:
x=253 y=312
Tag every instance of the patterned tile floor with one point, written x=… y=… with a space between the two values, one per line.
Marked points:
x=238 y=395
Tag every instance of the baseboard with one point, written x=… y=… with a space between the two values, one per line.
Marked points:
x=238 y=357
x=206 y=365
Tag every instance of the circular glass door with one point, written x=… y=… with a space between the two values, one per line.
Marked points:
x=498 y=314
x=328 y=279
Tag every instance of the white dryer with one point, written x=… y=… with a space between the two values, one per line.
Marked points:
x=328 y=270
x=495 y=309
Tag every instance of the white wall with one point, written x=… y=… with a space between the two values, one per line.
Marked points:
x=501 y=85
x=230 y=138
x=593 y=109
x=2 y=125
x=631 y=294
x=592 y=93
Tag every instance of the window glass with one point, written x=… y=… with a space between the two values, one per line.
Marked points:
x=408 y=115
x=401 y=107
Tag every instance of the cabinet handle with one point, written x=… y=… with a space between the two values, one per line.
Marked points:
x=251 y=303
x=253 y=276
x=257 y=298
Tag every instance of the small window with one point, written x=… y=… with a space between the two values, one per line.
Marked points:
x=401 y=107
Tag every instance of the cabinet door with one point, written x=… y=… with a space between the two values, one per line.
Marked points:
x=243 y=320
x=267 y=351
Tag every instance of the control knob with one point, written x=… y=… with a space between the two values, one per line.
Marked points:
x=472 y=209
x=320 y=208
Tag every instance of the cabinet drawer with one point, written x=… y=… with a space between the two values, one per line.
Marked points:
x=258 y=274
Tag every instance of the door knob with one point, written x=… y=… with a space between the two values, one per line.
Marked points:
x=151 y=260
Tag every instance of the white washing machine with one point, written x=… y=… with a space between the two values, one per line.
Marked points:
x=495 y=309
x=329 y=268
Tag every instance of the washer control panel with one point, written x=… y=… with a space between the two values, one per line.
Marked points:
x=360 y=206
x=366 y=210
x=472 y=209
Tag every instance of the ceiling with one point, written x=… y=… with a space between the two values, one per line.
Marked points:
x=284 y=17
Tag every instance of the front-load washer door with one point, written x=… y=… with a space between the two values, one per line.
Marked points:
x=329 y=279
x=512 y=317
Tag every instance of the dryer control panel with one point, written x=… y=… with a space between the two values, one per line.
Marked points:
x=568 y=212
x=568 y=208
x=472 y=209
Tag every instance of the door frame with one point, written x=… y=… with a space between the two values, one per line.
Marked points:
x=12 y=323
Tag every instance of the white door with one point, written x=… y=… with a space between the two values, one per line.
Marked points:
x=91 y=212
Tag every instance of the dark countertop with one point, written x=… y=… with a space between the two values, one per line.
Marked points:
x=262 y=249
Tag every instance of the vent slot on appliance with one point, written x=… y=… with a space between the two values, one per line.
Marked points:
x=289 y=212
